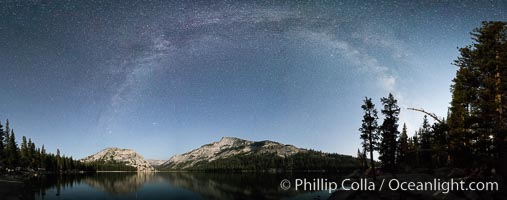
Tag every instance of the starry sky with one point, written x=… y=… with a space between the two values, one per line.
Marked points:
x=165 y=77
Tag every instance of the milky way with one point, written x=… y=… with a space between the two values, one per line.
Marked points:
x=164 y=77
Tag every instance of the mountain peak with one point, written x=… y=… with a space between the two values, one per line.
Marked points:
x=227 y=147
x=115 y=149
x=230 y=140
x=115 y=154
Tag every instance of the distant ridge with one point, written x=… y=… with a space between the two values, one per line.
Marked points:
x=155 y=163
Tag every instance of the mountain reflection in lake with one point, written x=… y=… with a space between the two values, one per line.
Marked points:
x=172 y=185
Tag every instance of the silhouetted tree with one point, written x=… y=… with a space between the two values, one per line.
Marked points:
x=424 y=144
x=58 y=160
x=2 y=146
x=389 y=132
x=42 y=160
x=477 y=122
x=403 y=147
x=12 y=151
x=440 y=143
x=23 y=152
x=368 y=129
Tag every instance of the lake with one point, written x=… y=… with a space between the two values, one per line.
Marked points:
x=172 y=185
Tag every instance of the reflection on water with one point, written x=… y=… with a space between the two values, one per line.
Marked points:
x=118 y=183
x=176 y=185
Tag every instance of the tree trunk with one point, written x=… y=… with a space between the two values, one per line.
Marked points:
x=371 y=159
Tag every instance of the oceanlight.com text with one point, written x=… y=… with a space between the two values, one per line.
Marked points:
x=446 y=186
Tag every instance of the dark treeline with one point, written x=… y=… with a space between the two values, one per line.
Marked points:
x=29 y=157
x=473 y=135
x=301 y=161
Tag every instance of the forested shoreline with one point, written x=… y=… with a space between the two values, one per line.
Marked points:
x=310 y=160
x=27 y=157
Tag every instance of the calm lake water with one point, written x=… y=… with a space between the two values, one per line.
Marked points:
x=173 y=185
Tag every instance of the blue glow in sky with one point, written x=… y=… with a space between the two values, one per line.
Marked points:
x=166 y=77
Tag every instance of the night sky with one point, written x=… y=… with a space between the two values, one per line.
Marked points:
x=167 y=77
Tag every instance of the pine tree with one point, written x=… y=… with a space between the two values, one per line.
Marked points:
x=12 y=151
x=425 y=141
x=368 y=130
x=389 y=132
x=58 y=160
x=412 y=158
x=6 y=143
x=477 y=123
x=43 y=156
x=6 y=134
x=403 y=146
x=440 y=143
x=7 y=128
x=32 y=154
x=2 y=146
x=490 y=56
x=23 y=152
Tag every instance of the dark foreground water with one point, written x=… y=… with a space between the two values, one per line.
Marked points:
x=172 y=185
